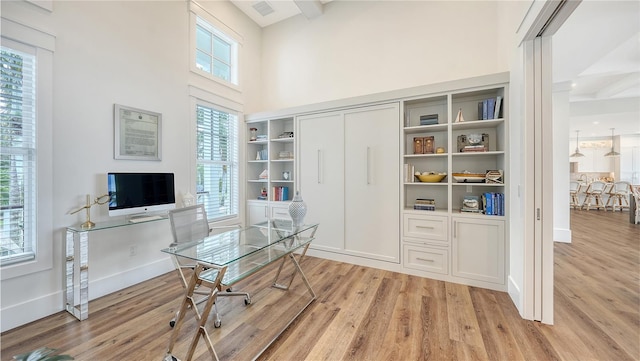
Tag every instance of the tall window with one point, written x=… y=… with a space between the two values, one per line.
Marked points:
x=17 y=156
x=216 y=53
x=217 y=162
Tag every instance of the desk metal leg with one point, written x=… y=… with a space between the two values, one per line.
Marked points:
x=77 y=249
x=296 y=263
x=189 y=302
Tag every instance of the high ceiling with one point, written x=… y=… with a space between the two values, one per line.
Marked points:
x=596 y=54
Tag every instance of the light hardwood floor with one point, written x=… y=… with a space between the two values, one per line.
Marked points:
x=368 y=314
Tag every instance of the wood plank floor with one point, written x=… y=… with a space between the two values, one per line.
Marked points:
x=368 y=314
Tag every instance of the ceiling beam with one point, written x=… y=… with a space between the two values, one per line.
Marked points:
x=611 y=90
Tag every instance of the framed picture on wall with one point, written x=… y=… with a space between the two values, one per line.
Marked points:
x=137 y=134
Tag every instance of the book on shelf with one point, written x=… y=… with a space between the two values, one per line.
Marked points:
x=429 y=119
x=493 y=203
x=496 y=111
x=490 y=108
x=280 y=193
x=491 y=104
x=425 y=204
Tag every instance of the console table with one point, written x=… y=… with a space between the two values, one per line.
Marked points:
x=76 y=280
x=226 y=258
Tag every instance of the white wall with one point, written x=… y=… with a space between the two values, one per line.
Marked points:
x=133 y=53
x=364 y=47
x=561 y=215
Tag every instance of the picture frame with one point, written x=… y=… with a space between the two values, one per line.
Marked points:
x=137 y=134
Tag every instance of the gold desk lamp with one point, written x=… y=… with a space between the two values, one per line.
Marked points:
x=99 y=200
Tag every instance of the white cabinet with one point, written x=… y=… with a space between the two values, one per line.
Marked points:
x=257 y=212
x=348 y=176
x=321 y=176
x=371 y=182
x=478 y=249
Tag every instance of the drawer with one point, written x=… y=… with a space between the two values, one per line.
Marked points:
x=426 y=227
x=426 y=259
x=280 y=212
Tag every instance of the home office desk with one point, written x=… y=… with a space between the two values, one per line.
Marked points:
x=226 y=258
x=76 y=279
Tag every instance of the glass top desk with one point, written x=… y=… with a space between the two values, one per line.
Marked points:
x=226 y=258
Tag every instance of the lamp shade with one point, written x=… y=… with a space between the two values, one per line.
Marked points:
x=612 y=153
x=577 y=153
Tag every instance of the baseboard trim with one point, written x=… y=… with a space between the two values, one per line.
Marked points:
x=31 y=310
x=515 y=294
x=562 y=235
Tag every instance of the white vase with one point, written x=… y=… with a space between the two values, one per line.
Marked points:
x=297 y=210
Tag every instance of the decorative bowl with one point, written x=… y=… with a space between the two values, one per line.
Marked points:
x=431 y=178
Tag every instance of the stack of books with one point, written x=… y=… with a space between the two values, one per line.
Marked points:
x=474 y=148
x=425 y=204
x=430 y=119
x=493 y=203
x=280 y=193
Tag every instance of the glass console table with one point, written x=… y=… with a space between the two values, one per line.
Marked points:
x=76 y=280
x=226 y=258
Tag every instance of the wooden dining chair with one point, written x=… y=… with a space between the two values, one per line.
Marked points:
x=593 y=196
x=619 y=196
x=574 y=191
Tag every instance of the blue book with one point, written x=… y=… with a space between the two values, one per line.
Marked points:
x=491 y=106
x=488 y=201
x=285 y=193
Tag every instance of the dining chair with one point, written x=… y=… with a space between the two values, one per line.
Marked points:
x=574 y=190
x=190 y=224
x=594 y=194
x=619 y=195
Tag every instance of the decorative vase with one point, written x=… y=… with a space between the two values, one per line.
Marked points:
x=297 y=210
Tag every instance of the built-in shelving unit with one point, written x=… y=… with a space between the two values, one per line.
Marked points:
x=449 y=243
x=270 y=168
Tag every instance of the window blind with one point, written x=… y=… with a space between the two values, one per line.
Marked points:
x=17 y=156
x=217 y=162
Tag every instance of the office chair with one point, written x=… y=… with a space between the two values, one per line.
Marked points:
x=190 y=224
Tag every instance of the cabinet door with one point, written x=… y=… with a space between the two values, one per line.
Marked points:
x=479 y=249
x=257 y=212
x=321 y=176
x=372 y=176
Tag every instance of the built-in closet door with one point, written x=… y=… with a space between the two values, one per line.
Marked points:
x=372 y=175
x=321 y=176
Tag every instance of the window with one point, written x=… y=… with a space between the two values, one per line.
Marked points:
x=217 y=162
x=216 y=53
x=17 y=156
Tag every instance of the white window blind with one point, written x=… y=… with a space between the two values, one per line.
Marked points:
x=217 y=162
x=17 y=156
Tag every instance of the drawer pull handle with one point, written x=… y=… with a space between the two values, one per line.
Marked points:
x=427 y=227
x=424 y=259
